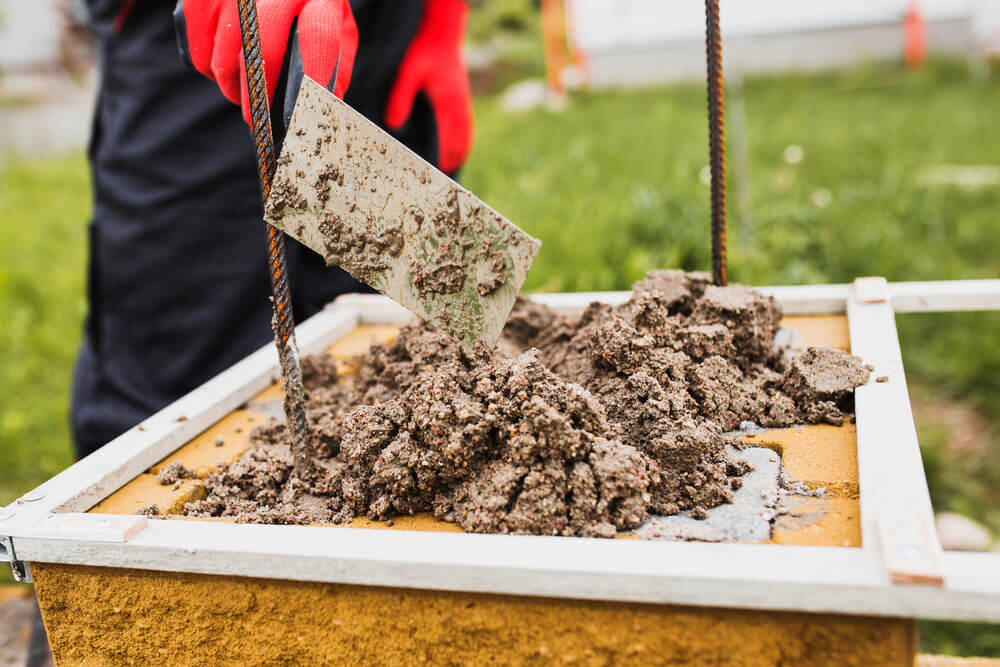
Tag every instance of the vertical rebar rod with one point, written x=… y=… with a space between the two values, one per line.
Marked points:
x=716 y=139
x=283 y=321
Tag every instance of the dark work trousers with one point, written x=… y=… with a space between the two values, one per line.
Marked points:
x=178 y=285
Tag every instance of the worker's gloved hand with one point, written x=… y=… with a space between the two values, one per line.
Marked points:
x=434 y=65
x=316 y=37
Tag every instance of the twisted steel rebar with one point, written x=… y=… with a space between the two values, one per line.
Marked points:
x=716 y=139
x=283 y=321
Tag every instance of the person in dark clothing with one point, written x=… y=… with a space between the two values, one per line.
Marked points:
x=178 y=286
x=177 y=280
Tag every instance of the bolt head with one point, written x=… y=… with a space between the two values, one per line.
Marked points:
x=31 y=496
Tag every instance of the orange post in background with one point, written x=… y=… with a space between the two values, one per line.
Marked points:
x=554 y=33
x=914 y=36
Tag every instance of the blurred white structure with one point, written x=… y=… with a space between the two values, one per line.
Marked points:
x=44 y=109
x=646 y=41
x=29 y=33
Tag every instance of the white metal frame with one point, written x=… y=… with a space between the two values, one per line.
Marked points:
x=899 y=571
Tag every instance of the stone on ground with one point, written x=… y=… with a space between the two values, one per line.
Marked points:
x=960 y=533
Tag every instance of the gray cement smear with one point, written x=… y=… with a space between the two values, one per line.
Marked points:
x=747 y=519
x=268 y=408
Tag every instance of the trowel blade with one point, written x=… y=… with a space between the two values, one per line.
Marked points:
x=370 y=205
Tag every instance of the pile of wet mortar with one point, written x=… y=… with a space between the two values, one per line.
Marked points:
x=580 y=425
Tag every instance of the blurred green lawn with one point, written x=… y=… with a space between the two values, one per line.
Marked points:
x=612 y=186
x=44 y=207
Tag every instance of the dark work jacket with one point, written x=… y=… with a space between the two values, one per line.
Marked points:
x=177 y=286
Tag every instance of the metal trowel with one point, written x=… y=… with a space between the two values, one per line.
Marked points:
x=370 y=205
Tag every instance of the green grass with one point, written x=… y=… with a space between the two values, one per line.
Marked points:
x=490 y=20
x=44 y=208
x=43 y=213
x=612 y=188
x=512 y=31
x=961 y=639
x=960 y=481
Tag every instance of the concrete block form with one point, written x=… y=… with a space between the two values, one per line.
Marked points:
x=840 y=581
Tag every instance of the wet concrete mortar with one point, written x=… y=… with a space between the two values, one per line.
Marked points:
x=609 y=421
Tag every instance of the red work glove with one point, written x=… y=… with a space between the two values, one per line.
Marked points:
x=315 y=37
x=434 y=65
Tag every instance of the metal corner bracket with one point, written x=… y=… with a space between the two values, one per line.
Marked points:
x=101 y=528
x=22 y=572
